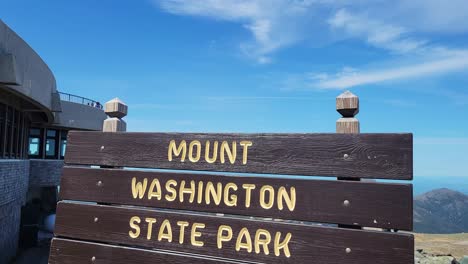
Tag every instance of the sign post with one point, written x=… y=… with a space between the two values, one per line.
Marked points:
x=193 y=209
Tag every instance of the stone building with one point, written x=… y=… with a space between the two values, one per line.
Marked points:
x=34 y=121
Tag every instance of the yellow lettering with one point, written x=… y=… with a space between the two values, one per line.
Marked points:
x=138 y=188
x=289 y=199
x=166 y=225
x=245 y=144
x=282 y=245
x=152 y=193
x=194 y=234
x=244 y=233
x=271 y=199
x=248 y=193
x=216 y=194
x=150 y=222
x=182 y=149
x=172 y=190
x=223 y=238
x=182 y=225
x=262 y=241
x=231 y=153
x=230 y=200
x=136 y=233
x=207 y=152
x=200 y=192
x=192 y=144
x=190 y=191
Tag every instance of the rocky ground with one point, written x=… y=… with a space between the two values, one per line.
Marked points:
x=441 y=249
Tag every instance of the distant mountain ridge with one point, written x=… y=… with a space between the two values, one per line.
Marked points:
x=441 y=211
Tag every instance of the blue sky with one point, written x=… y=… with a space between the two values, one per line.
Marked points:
x=266 y=65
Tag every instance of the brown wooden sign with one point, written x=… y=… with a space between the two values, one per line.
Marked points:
x=228 y=237
x=297 y=199
x=385 y=156
x=123 y=215
x=66 y=251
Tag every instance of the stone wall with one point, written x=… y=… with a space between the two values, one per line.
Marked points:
x=10 y=218
x=45 y=173
x=14 y=179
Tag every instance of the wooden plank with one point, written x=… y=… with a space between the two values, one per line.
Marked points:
x=205 y=234
x=367 y=204
x=387 y=156
x=347 y=104
x=66 y=251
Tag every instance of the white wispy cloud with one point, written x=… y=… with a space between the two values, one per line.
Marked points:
x=392 y=37
x=427 y=59
x=274 y=24
x=434 y=16
x=347 y=79
x=401 y=28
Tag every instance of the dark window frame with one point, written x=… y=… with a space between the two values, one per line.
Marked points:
x=43 y=134
x=63 y=143
x=38 y=136
x=13 y=124
x=3 y=117
x=55 y=139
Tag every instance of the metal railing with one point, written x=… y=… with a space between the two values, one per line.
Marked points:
x=79 y=100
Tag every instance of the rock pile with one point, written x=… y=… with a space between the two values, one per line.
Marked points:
x=422 y=257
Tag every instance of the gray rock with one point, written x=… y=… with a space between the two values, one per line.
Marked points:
x=421 y=257
x=464 y=260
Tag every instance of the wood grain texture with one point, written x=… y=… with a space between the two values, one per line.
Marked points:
x=308 y=244
x=347 y=125
x=347 y=104
x=370 y=204
x=385 y=156
x=115 y=108
x=113 y=124
x=67 y=251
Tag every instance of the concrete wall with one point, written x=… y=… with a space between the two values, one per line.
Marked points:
x=14 y=178
x=45 y=173
x=34 y=76
x=35 y=82
x=80 y=116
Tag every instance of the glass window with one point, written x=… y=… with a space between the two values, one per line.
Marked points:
x=14 y=143
x=63 y=143
x=34 y=146
x=9 y=126
x=50 y=147
x=12 y=138
x=51 y=133
x=35 y=143
x=63 y=147
x=35 y=132
x=2 y=128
